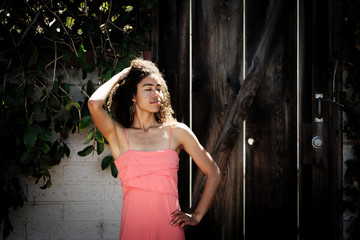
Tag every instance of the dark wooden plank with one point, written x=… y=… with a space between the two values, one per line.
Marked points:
x=217 y=64
x=172 y=56
x=321 y=181
x=271 y=163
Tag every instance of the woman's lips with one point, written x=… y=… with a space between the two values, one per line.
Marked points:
x=156 y=102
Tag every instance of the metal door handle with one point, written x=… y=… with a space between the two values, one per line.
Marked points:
x=319 y=98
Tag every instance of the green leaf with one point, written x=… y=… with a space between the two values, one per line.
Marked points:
x=114 y=171
x=99 y=137
x=66 y=150
x=37 y=108
x=43 y=147
x=3 y=59
x=69 y=22
x=128 y=8
x=108 y=74
x=77 y=105
x=106 y=162
x=90 y=88
x=47 y=184
x=85 y=122
x=27 y=157
x=86 y=151
x=30 y=136
x=55 y=104
x=66 y=88
x=44 y=139
x=99 y=147
x=90 y=135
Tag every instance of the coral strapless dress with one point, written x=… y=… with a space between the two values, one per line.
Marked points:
x=150 y=194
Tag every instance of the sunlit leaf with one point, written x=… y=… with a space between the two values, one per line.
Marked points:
x=77 y=105
x=85 y=122
x=104 y=7
x=128 y=8
x=90 y=135
x=69 y=22
x=99 y=137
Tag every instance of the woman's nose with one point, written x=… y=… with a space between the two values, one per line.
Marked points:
x=156 y=93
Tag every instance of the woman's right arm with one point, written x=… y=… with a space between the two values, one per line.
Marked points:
x=100 y=117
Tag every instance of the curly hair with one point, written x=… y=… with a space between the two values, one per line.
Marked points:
x=121 y=95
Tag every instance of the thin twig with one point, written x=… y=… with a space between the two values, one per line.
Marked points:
x=5 y=76
x=72 y=42
x=46 y=88
x=53 y=61
x=94 y=50
x=60 y=42
x=67 y=76
x=29 y=26
x=54 y=71
x=73 y=102
x=85 y=5
x=108 y=35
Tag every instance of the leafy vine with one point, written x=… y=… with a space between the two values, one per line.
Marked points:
x=41 y=42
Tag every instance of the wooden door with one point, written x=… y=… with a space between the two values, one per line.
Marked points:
x=254 y=75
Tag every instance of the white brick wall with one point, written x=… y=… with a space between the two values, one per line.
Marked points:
x=84 y=202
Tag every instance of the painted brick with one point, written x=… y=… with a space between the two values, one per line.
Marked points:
x=84 y=172
x=92 y=211
x=84 y=201
x=56 y=173
x=112 y=211
x=38 y=212
x=18 y=233
x=111 y=230
x=113 y=192
x=86 y=192
x=64 y=230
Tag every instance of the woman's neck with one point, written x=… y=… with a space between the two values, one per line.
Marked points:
x=144 y=122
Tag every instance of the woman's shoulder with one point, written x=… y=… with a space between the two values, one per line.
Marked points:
x=178 y=126
x=180 y=129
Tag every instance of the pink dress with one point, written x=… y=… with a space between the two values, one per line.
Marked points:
x=149 y=184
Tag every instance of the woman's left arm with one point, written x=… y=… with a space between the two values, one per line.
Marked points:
x=187 y=139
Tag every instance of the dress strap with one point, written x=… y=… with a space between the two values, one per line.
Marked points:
x=170 y=137
x=127 y=139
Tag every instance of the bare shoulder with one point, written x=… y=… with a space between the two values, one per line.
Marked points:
x=182 y=133
x=180 y=128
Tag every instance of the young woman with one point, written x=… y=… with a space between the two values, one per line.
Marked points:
x=145 y=141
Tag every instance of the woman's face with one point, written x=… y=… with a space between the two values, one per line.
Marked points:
x=149 y=94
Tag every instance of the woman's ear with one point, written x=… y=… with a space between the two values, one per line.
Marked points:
x=133 y=98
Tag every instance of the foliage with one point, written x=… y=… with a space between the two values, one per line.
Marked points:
x=41 y=41
x=351 y=101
